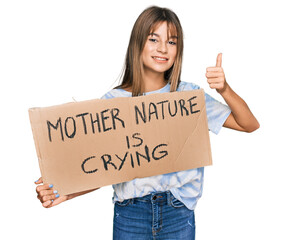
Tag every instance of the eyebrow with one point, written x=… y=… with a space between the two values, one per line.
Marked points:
x=157 y=35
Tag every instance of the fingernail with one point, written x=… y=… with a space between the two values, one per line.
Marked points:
x=52 y=200
x=36 y=181
x=51 y=185
x=57 y=195
x=55 y=191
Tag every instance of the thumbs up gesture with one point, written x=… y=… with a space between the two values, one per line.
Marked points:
x=216 y=77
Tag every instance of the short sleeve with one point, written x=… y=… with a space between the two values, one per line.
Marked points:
x=107 y=95
x=115 y=93
x=217 y=112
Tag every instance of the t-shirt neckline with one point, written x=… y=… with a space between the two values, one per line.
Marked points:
x=145 y=93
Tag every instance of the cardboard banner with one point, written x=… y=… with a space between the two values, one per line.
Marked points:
x=90 y=144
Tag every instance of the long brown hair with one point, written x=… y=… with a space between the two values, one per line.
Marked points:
x=133 y=68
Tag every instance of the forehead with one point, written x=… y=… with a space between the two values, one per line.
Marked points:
x=171 y=28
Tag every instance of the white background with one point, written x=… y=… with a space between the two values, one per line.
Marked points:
x=51 y=51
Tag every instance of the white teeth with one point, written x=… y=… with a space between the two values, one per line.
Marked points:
x=161 y=59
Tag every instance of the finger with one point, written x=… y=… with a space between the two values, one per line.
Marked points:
x=214 y=74
x=214 y=69
x=59 y=200
x=219 y=60
x=47 y=204
x=50 y=197
x=44 y=187
x=215 y=80
x=46 y=198
x=56 y=201
x=215 y=85
x=39 y=181
x=47 y=192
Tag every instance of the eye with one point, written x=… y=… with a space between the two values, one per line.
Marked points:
x=153 y=40
x=172 y=42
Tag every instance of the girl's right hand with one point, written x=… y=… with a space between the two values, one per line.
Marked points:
x=47 y=195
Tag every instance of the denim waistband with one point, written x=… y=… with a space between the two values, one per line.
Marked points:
x=155 y=197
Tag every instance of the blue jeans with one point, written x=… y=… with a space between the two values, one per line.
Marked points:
x=155 y=216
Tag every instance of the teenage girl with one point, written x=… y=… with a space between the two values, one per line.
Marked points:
x=162 y=207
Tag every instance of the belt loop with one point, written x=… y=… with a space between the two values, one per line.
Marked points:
x=168 y=198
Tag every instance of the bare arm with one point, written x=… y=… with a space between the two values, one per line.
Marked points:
x=241 y=118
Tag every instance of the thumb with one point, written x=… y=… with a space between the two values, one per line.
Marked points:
x=39 y=181
x=219 y=60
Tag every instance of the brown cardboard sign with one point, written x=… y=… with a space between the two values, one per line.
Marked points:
x=89 y=144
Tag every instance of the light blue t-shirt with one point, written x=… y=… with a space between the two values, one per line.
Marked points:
x=186 y=185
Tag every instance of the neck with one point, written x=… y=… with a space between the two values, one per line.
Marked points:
x=153 y=82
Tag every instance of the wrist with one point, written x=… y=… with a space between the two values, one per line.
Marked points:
x=225 y=90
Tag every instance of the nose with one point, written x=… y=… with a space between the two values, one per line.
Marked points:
x=162 y=47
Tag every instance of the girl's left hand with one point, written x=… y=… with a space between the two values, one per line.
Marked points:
x=216 y=77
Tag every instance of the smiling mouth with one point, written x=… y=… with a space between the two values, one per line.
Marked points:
x=161 y=59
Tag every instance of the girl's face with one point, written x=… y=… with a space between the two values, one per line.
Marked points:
x=160 y=50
